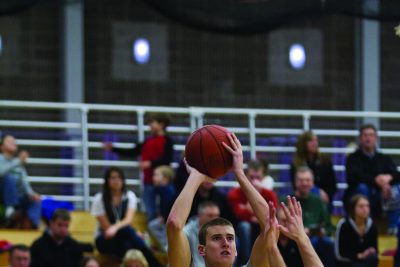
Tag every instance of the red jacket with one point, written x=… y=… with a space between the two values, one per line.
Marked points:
x=237 y=199
x=157 y=149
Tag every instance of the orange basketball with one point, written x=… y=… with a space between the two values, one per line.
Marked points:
x=205 y=152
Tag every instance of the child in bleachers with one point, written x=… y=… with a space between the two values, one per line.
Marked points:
x=163 y=181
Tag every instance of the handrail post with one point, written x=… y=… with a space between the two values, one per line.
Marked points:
x=85 y=158
x=306 y=121
x=252 y=132
x=140 y=122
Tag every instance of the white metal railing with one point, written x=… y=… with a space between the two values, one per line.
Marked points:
x=196 y=118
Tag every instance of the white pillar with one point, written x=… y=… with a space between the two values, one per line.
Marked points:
x=72 y=73
x=368 y=65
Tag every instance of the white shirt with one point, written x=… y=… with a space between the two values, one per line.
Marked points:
x=98 y=205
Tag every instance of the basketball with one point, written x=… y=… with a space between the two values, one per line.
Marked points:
x=205 y=152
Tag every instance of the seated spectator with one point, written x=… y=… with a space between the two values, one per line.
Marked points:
x=268 y=181
x=307 y=154
x=55 y=247
x=162 y=180
x=247 y=227
x=89 y=261
x=316 y=218
x=19 y=256
x=288 y=247
x=114 y=209
x=356 y=236
x=16 y=192
x=207 y=211
x=372 y=174
x=209 y=192
x=134 y=258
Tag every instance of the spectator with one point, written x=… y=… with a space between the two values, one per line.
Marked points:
x=181 y=175
x=19 y=256
x=89 y=261
x=307 y=154
x=288 y=247
x=316 y=218
x=55 y=247
x=155 y=151
x=356 y=236
x=134 y=258
x=247 y=226
x=17 y=194
x=162 y=178
x=208 y=192
x=207 y=211
x=114 y=210
x=372 y=174
x=268 y=181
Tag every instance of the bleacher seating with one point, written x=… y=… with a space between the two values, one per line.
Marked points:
x=83 y=227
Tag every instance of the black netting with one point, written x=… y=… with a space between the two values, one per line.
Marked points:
x=264 y=15
x=12 y=6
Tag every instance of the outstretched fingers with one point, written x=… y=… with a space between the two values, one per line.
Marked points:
x=291 y=206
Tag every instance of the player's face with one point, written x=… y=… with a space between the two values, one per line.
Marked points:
x=20 y=258
x=362 y=208
x=368 y=139
x=312 y=145
x=220 y=248
x=304 y=182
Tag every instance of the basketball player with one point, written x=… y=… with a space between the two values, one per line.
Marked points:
x=217 y=237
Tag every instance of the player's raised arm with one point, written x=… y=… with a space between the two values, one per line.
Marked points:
x=265 y=251
x=257 y=202
x=178 y=245
x=294 y=229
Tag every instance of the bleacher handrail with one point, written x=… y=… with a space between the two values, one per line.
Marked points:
x=197 y=117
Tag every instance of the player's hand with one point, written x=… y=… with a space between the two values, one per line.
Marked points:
x=107 y=146
x=235 y=149
x=293 y=225
x=193 y=171
x=273 y=231
x=23 y=156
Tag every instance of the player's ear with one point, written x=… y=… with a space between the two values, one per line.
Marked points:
x=202 y=250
